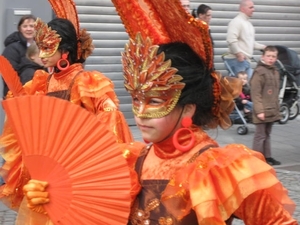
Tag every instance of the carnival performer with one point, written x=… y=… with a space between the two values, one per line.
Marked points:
x=186 y=177
x=63 y=47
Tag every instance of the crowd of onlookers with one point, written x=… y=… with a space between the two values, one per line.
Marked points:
x=262 y=106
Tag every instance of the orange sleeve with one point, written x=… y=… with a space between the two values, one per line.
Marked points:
x=95 y=93
x=260 y=208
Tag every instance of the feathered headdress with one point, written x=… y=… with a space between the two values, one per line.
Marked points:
x=66 y=9
x=166 y=21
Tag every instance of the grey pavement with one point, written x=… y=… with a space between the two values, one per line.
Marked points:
x=285 y=141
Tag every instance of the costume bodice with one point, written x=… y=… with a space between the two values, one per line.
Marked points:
x=148 y=209
x=65 y=93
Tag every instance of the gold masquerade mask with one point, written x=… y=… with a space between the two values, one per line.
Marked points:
x=147 y=77
x=46 y=39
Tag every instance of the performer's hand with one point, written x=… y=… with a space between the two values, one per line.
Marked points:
x=36 y=195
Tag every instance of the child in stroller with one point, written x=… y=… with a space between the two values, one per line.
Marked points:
x=244 y=102
x=242 y=113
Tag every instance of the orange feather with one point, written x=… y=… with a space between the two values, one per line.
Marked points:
x=11 y=77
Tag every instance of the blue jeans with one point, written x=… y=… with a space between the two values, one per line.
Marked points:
x=249 y=106
x=237 y=66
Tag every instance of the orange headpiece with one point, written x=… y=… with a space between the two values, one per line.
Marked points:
x=165 y=21
x=65 y=9
x=160 y=22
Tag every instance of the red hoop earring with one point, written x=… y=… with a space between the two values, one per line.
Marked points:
x=146 y=141
x=63 y=59
x=185 y=122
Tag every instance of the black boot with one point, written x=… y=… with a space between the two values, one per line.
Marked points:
x=273 y=162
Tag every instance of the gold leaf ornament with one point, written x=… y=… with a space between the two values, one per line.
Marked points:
x=147 y=75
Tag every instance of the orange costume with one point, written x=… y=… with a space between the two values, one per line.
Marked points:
x=88 y=89
x=207 y=184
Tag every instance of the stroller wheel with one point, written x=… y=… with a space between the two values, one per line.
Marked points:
x=294 y=111
x=285 y=113
x=242 y=130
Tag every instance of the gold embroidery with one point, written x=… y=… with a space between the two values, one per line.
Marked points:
x=141 y=217
x=165 y=221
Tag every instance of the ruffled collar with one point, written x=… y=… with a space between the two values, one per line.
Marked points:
x=71 y=69
x=166 y=149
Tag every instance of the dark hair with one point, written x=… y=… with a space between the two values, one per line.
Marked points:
x=68 y=35
x=241 y=72
x=198 y=88
x=270 y=48
x=202 y=9
x=26 y=17
x=194 y=13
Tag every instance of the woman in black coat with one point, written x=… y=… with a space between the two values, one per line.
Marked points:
x=16 y=44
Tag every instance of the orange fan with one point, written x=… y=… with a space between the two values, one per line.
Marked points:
x=65 y=145
x=11 y=77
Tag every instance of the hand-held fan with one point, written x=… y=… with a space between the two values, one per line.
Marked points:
x=11 y=77
x=65 y=145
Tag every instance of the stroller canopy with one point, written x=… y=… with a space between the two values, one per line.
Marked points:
x=289 y=59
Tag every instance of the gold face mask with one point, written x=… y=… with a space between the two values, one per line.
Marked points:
x=148 y=77
x=46 y=39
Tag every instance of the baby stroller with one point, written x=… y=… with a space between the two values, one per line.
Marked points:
x=288 y=65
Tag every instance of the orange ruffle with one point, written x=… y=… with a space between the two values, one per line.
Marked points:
x=218 y=181
x=131 y=152
x=91 y=85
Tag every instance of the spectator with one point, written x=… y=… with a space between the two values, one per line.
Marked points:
x=194 y=13
x=264 y=85
x=16 y=44
x=186 y=5
x=204 y=13
x=30 y=63
x=244 y=100
x=241 y=40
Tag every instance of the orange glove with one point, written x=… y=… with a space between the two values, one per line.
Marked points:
x=36 y=195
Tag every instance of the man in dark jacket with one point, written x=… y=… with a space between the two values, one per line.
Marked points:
x=264 y=94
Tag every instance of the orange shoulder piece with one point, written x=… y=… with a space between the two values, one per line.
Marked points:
x=93 y=84
x=38 y=84
x=236 y=167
